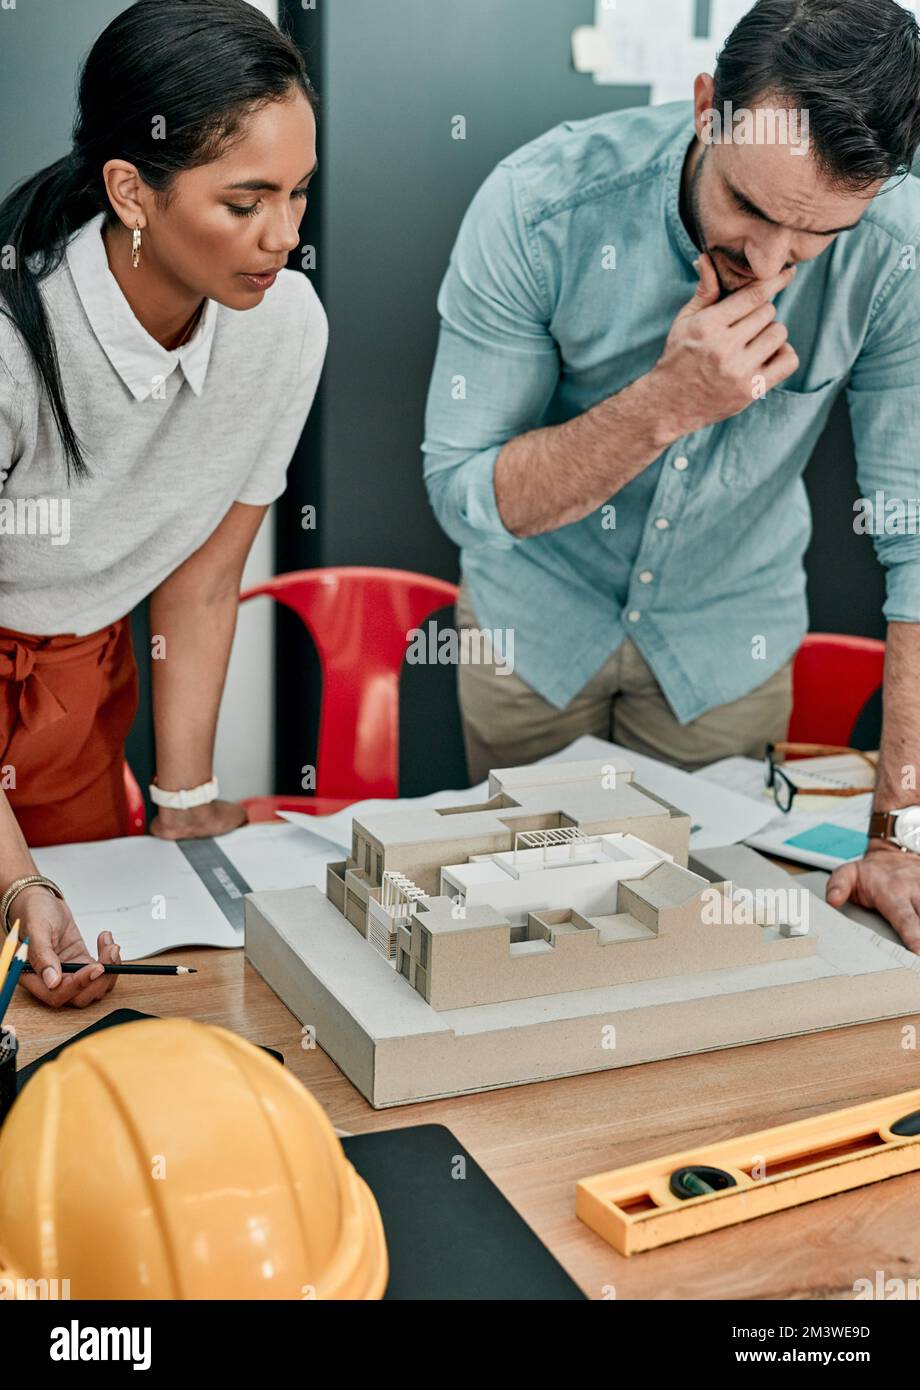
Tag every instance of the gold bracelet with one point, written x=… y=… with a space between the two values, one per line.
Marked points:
x=16 y=887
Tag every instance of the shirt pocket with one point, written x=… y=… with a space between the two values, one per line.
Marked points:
x=780 y=429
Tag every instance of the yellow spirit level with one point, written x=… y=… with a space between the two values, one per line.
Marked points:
x=687 y=1194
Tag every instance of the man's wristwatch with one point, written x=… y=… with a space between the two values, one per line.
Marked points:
x=901 y=827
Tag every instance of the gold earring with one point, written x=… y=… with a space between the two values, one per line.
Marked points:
x=136 y=247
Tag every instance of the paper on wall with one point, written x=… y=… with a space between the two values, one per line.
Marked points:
x=664 y=44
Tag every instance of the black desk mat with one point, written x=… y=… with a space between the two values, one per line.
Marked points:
x=110 y=1021
x=450 y=1232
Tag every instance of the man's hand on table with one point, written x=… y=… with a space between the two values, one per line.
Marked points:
x=54 y=938
x=886 y=879
x=213 y=818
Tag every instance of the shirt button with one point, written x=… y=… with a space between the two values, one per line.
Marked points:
x=662 y=523
x=646 y=576
x=681 y=463
x=634 y=615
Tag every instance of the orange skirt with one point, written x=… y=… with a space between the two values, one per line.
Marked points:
x=66 y=705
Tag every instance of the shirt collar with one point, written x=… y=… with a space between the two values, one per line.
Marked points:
x=137 y=357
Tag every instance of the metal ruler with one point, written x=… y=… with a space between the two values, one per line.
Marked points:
x=222 y=880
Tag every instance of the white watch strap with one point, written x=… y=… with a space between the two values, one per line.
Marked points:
x=187 y=798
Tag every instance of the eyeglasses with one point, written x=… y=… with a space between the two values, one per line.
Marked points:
x=785 y=790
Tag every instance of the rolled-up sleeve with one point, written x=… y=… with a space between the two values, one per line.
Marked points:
x=884 y=400
x=496 y=365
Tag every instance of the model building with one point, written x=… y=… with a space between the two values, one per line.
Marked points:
x=559 y=926
x=568 y=877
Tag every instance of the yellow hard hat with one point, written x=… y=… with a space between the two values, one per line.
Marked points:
x=172 y=1159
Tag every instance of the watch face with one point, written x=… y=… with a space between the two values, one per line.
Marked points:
x=907 y=828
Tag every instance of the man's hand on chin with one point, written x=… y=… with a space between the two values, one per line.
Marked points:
x=886 y=879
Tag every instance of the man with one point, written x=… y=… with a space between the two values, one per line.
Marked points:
x=645 y=322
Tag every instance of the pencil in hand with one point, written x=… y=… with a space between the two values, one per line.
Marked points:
x=70 y=967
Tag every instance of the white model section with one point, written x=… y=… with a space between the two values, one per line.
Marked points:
x=552 y=869
x=398 y=895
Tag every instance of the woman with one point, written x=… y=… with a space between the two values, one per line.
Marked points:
x=156 y=376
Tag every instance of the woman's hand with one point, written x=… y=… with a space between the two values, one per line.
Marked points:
x=53 y=939
x=213 y=818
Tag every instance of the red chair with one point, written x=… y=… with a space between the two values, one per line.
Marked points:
x=832 y=678
x=137 y=811
x=359 y=618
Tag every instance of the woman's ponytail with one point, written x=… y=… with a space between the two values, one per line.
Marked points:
x=36 y=221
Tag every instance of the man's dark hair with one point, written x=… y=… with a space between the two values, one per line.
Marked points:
x=853 y=65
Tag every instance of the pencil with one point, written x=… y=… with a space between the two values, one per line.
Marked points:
x=71 y=967
x=12 y=977
x=9 y=946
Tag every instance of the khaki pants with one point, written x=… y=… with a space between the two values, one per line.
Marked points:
x=506 y=723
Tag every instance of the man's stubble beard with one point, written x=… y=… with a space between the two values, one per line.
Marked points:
x=694 y=207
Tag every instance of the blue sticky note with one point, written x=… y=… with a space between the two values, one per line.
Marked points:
x=836 y=840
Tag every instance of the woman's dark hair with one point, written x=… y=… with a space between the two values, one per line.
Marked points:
x=853 y=65
x=201 y=67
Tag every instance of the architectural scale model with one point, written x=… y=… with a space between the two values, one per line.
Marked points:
x=557 y=927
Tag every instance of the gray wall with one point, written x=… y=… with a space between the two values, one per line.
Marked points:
x=42 y=43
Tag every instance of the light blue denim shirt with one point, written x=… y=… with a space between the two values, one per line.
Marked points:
x=703 y=568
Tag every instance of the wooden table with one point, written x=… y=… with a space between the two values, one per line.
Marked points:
x=535 y=1141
